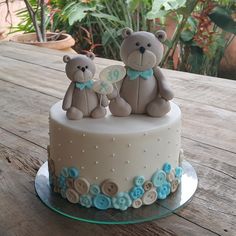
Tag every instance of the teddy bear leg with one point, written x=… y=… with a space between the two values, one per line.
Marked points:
x=119 y=107
x=158 y=107
x=98 y=112
x=74 y=114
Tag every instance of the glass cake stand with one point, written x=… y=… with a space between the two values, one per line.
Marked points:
x=160 y=209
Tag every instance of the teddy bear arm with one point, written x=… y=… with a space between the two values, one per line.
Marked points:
x=67 y=101
x=105 y=101
x=116 y=89
x=102 y=98
x=164 y=87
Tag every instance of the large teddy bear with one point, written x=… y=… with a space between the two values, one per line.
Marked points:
x=80 y=99
x=144 y=90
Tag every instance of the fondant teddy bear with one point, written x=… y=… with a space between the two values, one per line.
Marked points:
x=80 y=99
x=144 y=90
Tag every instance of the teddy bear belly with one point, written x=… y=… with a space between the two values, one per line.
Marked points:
x=85 y=100
x=139 y=93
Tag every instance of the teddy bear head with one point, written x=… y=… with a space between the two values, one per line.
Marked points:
x=80 y=68
x=142 y=50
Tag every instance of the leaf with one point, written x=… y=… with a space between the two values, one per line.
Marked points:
x=161 y=8
x=196 y=59
x=186 y=35
x=79 y=12
x=107 y=16
x=107 y=36
x=223 y=19
x=133 y=5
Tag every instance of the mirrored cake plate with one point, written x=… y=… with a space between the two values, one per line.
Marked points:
x=160 y=209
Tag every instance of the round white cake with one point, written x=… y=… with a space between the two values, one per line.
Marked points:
x=111 y=156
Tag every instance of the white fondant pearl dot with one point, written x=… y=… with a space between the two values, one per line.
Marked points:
x=96 y=146
x=126 y=178
x=82 y=167
x=113 y=139
x=129 y=145
x=112 y=170
x=71 y=141
x=96 y=177
x=113 y=154
x=82 y=150
x=127 y=162
x=71 y=157
x=96 y=162
x=59 y=144
x=83 y=135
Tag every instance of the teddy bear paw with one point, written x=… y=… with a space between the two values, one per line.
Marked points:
x=74 y=114
x=99 y=112
x=159 y=107
x=119 y=107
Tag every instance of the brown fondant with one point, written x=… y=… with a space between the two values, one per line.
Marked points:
x=78 y=102
x=142 y=51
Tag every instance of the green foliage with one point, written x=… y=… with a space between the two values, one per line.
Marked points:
x=98 y=22
x=221 y=16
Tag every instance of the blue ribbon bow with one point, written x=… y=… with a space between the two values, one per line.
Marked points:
x=134 y=74
x=84 y=85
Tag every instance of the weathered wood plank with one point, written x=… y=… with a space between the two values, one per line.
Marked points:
x=192 y=87
x=17 y=194
x=216 y=158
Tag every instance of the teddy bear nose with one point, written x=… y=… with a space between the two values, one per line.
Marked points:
x=83 y=69
x=142 y=49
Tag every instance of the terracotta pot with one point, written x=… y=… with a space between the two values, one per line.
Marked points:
x=64 y=42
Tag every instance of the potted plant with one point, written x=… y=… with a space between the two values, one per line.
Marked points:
x=37 y=14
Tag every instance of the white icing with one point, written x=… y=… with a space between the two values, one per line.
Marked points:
x=126 y=131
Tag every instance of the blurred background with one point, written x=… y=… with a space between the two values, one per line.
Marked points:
x=201 y=33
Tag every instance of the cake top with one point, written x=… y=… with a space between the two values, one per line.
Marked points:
x=116 y=125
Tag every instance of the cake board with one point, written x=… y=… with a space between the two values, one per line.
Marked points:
x=160 y=209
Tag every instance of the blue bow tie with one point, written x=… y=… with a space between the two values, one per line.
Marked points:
x=134 y=74
x=84 y=85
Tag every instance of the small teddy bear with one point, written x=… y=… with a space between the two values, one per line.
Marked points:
x=80 y=99
x=144 y=90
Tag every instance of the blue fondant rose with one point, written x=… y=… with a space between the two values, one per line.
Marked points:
x=178 y=172
x=167 y=168
x=136 y=192
x=164 y=190
x=121 y=201
x=86 y=200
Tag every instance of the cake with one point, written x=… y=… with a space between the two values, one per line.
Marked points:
x=128 y=155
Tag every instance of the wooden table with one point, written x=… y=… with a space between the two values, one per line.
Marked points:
x=32 y=79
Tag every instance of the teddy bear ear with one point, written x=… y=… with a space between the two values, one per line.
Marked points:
x=66 y=58
x=126 y=32
x=161 y=35
x=90 y=55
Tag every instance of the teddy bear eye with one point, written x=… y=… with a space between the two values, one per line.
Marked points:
x=86 y=67
x=137 y=44
x=149 y=45
x=78 y=67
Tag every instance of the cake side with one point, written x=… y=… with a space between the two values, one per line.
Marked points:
x=115 y=155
